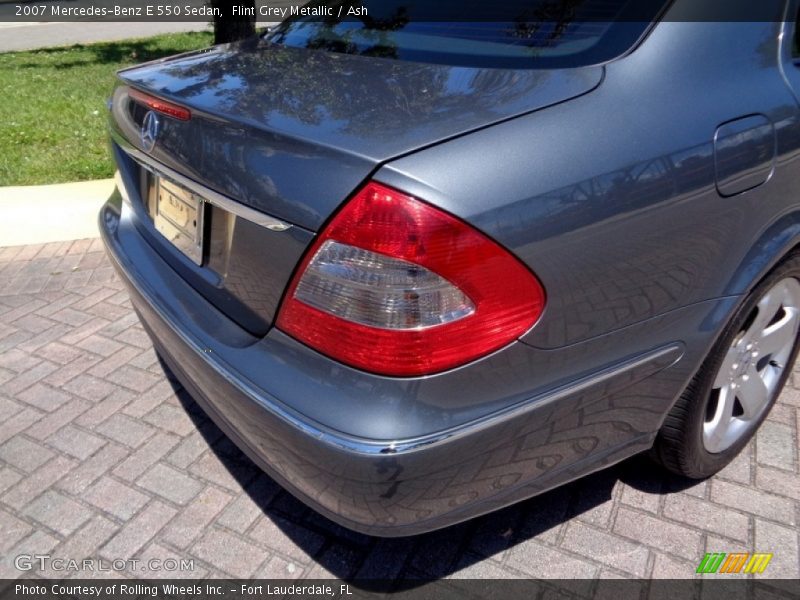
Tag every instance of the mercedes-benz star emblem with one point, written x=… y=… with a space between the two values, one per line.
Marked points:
x=150 y=128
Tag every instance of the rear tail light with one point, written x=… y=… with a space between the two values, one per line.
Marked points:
x=170 y=109
x=397 y=287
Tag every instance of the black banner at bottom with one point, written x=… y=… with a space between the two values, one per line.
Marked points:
x=445 y=589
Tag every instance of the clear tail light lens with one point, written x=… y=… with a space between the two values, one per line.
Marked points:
x=379 y=291
x=397 y=287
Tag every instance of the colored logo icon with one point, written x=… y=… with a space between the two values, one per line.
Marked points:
x=741 y=562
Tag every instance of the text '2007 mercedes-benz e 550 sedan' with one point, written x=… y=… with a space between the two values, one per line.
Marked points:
x=419 y=269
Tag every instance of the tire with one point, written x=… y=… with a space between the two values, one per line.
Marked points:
x=739 y=381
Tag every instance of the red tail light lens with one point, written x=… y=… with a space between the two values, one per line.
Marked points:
x=161 y=106
x=397 y=287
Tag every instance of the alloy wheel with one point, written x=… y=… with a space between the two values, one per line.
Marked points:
x=750 y=372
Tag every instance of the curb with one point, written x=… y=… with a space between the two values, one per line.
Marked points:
x=41 y=214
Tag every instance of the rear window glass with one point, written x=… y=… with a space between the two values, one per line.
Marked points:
x=510 y=34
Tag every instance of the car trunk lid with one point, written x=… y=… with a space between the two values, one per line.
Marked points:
x=292 y=133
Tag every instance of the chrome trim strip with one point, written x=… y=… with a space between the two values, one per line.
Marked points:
x=209 y=195
x=659 y=359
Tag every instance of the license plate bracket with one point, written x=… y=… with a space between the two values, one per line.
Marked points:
x=178 y=216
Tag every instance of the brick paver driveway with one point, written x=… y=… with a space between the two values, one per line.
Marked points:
x=103 y=455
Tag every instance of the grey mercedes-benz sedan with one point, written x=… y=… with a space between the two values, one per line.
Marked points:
x=422 y=268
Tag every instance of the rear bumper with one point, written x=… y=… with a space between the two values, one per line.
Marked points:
x=386 y=487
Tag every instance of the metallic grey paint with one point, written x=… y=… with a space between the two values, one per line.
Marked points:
x=648 y=195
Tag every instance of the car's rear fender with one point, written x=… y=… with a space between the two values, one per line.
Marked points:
x=777 y=241
x=612 y=198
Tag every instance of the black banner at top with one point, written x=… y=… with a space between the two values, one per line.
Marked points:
x=273 y=11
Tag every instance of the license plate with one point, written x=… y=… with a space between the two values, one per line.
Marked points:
x=179 y=218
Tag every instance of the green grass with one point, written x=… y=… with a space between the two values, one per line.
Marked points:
x=53 y=108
